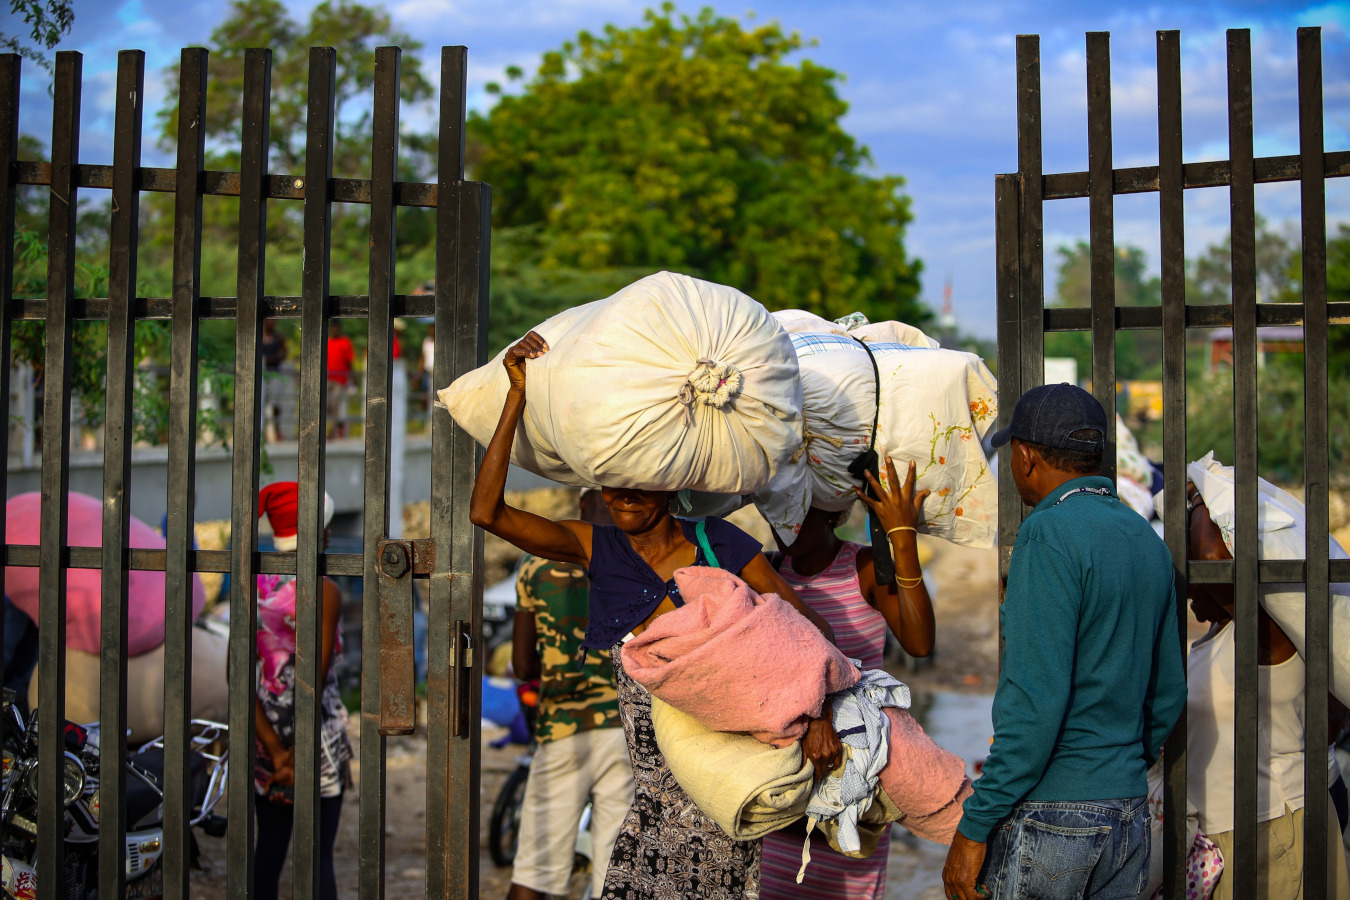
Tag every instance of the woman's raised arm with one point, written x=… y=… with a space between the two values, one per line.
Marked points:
x=566 y=541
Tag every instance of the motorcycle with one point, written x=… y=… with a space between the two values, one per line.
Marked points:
x=208 y=769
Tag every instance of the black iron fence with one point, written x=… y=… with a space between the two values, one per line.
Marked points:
x=451 y=559
x=1024 y=320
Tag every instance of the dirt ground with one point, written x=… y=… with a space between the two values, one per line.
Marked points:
x=965 y=662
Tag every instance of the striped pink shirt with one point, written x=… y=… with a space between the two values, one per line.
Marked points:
x=860 y=631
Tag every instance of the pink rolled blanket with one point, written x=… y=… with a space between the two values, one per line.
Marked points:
x=925 y=782
x=736 y=660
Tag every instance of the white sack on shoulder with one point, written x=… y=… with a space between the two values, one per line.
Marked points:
x=1282 y=523
x=935 y=407
x=671 y=383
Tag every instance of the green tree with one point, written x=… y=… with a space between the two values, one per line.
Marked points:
x=1209 y=276
x=48 y=21
x=693 y=143
x=1136 y=355
x=354 y=30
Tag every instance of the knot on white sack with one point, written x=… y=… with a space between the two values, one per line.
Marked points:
x=712 y=384
x=808 y=436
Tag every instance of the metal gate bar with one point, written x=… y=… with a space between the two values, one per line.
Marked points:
x=1102 y=236
x=187 y=242
x=309 y=678
x=1242 y=224
x=378 y=429
x=61 y=222
x=122 y=249
x=9 y=146
x=455 y=609
x=246 y=461
x=1023 y=321
x=1316 y=483
x=1172 y=246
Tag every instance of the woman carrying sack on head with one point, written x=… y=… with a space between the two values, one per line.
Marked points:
x=667 y=847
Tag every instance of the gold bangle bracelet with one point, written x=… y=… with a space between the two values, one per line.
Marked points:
x=890 y=531
x=902 y=581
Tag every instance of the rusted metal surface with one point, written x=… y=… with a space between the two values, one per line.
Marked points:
x=398 y=708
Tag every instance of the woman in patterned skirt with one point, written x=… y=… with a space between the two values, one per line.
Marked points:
x=835 y=577
x=668 y=849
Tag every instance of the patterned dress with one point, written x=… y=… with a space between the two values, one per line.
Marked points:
x=860 y=632
x=276 y=691
x=668 y=849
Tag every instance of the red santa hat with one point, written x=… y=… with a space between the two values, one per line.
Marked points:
x=280 y=502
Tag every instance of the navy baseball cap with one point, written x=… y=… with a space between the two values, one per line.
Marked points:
x=1049 y=414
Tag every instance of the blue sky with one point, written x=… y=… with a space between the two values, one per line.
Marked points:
x=930 y=87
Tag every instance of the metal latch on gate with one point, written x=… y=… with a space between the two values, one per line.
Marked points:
x=399 y=561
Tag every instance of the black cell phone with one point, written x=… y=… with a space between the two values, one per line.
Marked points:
x=286 y=791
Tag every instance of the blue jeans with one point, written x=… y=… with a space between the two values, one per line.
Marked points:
x=1065 y=851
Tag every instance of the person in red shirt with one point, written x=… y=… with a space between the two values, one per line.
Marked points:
x=341 y=355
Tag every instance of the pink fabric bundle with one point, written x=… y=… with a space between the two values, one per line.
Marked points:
x=736 y=660
x=84 y=587
x=925 y=782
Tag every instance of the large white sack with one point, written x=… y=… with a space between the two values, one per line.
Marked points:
x=936 y=405
x=1283 y=525
x=671 y=383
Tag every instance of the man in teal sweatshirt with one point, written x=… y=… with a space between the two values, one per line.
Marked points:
x=1091 y=679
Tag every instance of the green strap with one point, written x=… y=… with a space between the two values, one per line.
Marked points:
x=701 y=532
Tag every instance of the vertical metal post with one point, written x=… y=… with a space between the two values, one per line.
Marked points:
x=469 y=350
x=444 y=646
x=1171 y=220
x=309 y=675
x=1010 y=335
x=56 y=471
x=9 y=151
x=182 y=474
x=246 y=461
x=1102 y=236
x=117 y=473
x=1243 y=222
x=1031 y=235
x=379 y=387
x=1315 y=462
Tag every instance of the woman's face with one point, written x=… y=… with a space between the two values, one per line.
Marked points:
x=816 y=529
x=1209 y=602
x=635 y=511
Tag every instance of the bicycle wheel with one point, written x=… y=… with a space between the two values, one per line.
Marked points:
x=504 y=826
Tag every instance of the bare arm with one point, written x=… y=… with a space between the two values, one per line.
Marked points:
x=905 y=605
x=566 y=541
x=524 y=654
x=332 y=609
x=762 y=577
x=283 y=758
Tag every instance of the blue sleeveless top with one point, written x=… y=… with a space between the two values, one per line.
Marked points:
x=625 y=590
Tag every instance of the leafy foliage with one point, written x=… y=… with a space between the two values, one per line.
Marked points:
x=1135 y=354
x=355 y=30
x=89 y=357
x=48 y=21
x=692 y=143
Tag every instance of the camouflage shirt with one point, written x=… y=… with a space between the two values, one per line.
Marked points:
x=573 y=697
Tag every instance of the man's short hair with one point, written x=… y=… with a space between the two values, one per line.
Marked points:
x=1079 y=462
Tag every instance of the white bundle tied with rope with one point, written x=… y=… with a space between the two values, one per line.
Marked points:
x=934 y=408
x=672 y=383
x=1282 y=526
